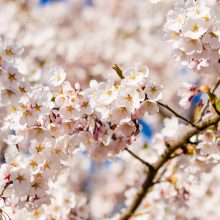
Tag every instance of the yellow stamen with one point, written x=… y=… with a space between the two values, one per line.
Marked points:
x=206 y=18
x=195 y=28
x=153 y=89
x=172 y=179
x=33 y=163
x=197 y=11
x=9 y=52
x=122 y=110
x=9 y=92
x=46 y=166
x=36 y=213
x=37 y=107
x=69 y=108
x=11 y=76
x=85 y=105
x=133 y=76
x=12 y=108
x=20 y=178
x=108 y=92
x=39 y=148
x=22 y=89
x=129 y=98
x=193 y=42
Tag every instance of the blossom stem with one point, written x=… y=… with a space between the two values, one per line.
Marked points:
x=138 y=158
x=161 y=174
x=177 y=115
x=149 y=180
x=5 y=187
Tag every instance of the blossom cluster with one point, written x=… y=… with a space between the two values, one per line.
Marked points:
x=54 y=132
x=194 y=32
x=75 y=37
x=48 y=123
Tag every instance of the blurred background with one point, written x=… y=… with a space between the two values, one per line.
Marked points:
x=86 y=38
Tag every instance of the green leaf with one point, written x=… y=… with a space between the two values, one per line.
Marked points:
x=145 y=146
x=217 y=104
x=215 y=101
x=212 y=97
x=118 y=71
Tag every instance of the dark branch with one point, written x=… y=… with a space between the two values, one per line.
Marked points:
x=177 y=115
x=5 y=187
x=138 y=158
x=149 y=180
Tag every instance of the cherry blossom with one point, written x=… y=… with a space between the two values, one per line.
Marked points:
x=140 y=140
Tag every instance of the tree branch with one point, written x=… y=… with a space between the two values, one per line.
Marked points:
x=149 y=180
x=5 y=187
x=138 y=158
x=120 y=74
x=177 y=115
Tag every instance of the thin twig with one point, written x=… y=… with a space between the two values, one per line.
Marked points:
x=120 y=74
x=5 y=187
x=216 y=86
x=177 y=115
x=161 y=174
x=138 y=158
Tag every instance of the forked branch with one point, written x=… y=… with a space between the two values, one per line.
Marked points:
x=149 y=180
